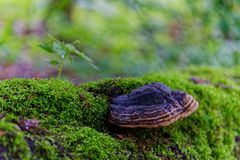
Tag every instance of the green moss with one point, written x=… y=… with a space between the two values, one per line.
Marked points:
x=12 y=143
x=54 y=102
x=207 y=134
x=87 y=143
x=112 y=87
x=16 y=144
x=77 y=118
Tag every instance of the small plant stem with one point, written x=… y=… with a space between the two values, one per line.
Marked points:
x=60 y=69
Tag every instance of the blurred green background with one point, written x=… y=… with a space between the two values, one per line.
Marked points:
x=124 y=38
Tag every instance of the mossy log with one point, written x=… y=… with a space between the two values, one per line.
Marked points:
x=73 y=120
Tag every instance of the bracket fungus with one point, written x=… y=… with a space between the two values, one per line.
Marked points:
x=151 y=106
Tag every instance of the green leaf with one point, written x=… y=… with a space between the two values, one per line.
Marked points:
x=84 y=56
x=46 y=47
x=95 y=67
x=59 y=49
x=53 y=62
x=56 y=46
x=65 y=51
x=75 y=52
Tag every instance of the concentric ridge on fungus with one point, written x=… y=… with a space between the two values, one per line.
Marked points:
x=151 y=106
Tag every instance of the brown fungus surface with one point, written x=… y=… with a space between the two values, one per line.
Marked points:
x=151 y=106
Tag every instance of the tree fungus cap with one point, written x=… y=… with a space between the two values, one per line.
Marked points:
x=151 y=106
